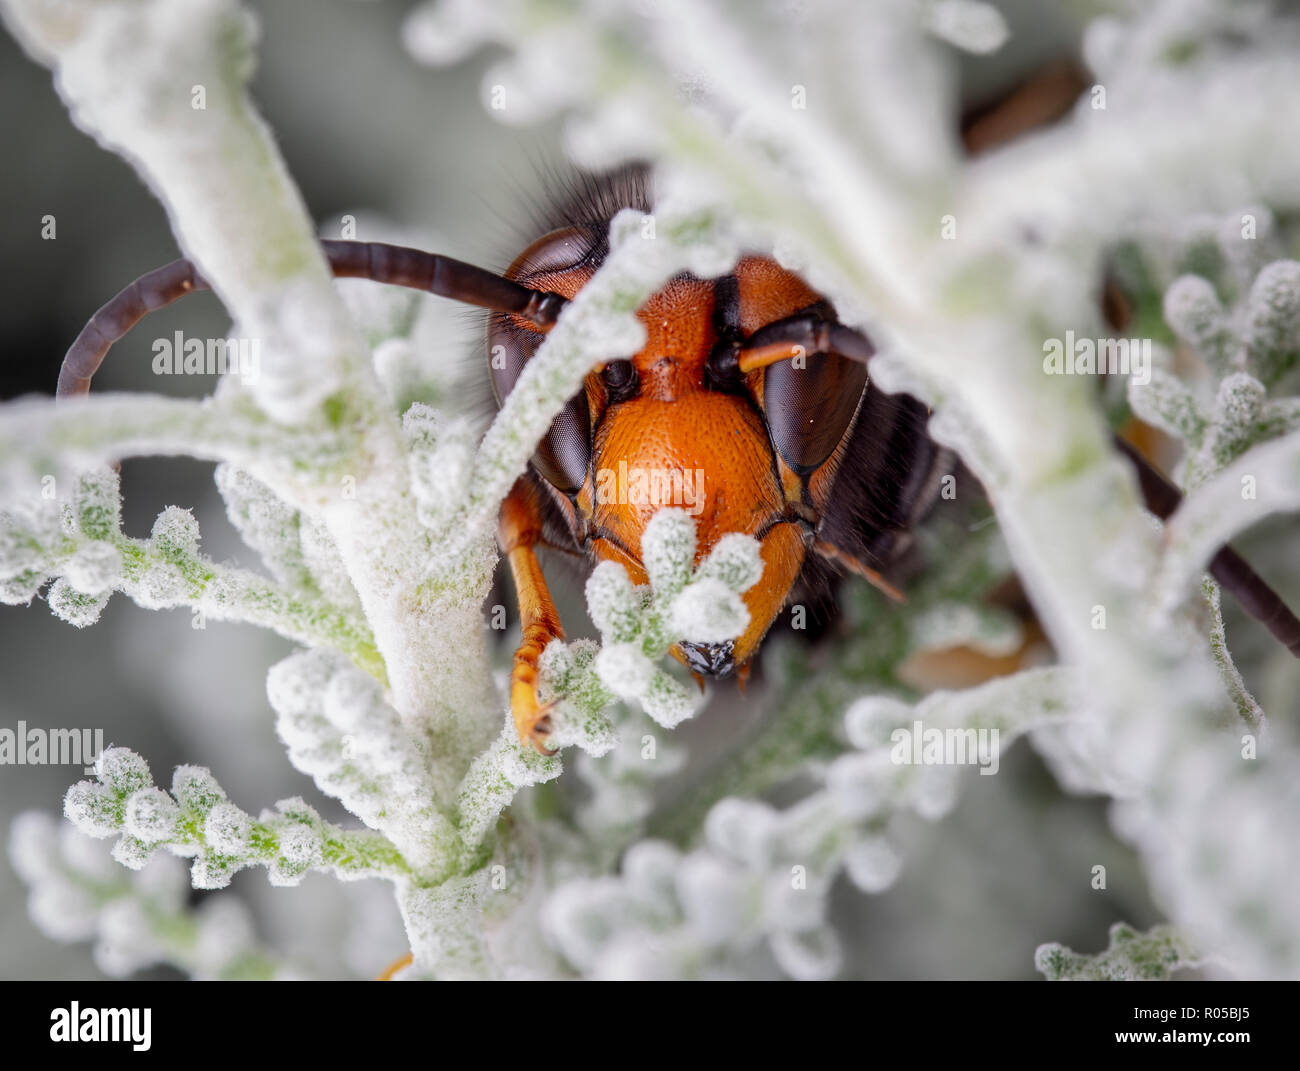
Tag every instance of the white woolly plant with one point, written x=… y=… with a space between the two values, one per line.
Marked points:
x=136 y=920
x=372 y=501
x=1130 y=957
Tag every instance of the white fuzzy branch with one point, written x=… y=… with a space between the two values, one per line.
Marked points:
x=1264 y=481
x=136 y=920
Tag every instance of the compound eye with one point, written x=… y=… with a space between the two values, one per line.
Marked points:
x=809 y=409
x=563 y=456
x=512 y=343
x=558 y=251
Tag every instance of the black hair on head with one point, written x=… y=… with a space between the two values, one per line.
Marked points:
x=583 y=199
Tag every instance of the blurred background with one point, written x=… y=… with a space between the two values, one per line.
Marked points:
x=364 y=129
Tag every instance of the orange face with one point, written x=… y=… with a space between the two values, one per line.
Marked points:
x=661 y=436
